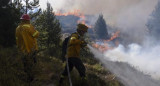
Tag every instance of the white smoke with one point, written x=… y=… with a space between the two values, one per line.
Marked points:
x=134 y=66
x=130 y=16
x=145 y=60
x=122 y=13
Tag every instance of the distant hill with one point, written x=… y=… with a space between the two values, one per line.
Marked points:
x=68 y=23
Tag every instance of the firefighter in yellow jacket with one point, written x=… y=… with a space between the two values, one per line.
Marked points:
x=26 y=42
x=75 y=43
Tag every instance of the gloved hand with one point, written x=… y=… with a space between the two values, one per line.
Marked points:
x=84 y=43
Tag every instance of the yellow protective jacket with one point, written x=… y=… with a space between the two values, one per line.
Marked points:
x=74 y=45
x=26 y=38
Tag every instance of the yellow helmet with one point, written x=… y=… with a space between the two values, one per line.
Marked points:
x=82 y=27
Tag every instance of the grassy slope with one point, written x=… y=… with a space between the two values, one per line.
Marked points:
x=48 y=70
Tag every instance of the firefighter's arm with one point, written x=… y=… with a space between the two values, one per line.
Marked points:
x=74 y=40
x=83 y=44
x=33 y=32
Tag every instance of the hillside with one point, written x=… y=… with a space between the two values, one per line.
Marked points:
x=48 y=69
x=69 y=22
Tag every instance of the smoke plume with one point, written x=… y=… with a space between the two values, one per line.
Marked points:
x=133 y=66
x=129 y=16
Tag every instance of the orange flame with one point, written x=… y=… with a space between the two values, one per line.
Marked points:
x=75 y=13
x=115 y=35
x=104 y=46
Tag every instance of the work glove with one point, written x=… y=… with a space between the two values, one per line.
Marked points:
x=84 y=44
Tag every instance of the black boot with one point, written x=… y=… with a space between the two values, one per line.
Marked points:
x=61 y=80
x=84 y=81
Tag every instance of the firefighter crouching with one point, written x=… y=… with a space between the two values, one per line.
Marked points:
x=27 y=44
x=75 y=43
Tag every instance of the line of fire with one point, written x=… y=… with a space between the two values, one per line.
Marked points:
x=101 y=44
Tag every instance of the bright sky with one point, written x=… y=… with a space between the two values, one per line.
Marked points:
x=56 y=4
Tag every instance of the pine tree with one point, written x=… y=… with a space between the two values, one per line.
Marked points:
x=40 y=25
x=4 y=2
x=27 y=5
x=101 y=28
x=50 y=30
x=9 y=19
x=153 y=23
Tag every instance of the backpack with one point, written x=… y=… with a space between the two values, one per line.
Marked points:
x=64 y=48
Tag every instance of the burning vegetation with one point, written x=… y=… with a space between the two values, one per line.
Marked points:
x=77 y=13
x=104 y=45
x=101 y=44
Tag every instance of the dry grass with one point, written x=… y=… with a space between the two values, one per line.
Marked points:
x=48 y=69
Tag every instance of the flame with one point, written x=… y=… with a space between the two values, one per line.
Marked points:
x=104 y=46
x=75 y=13
x=115 y=35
